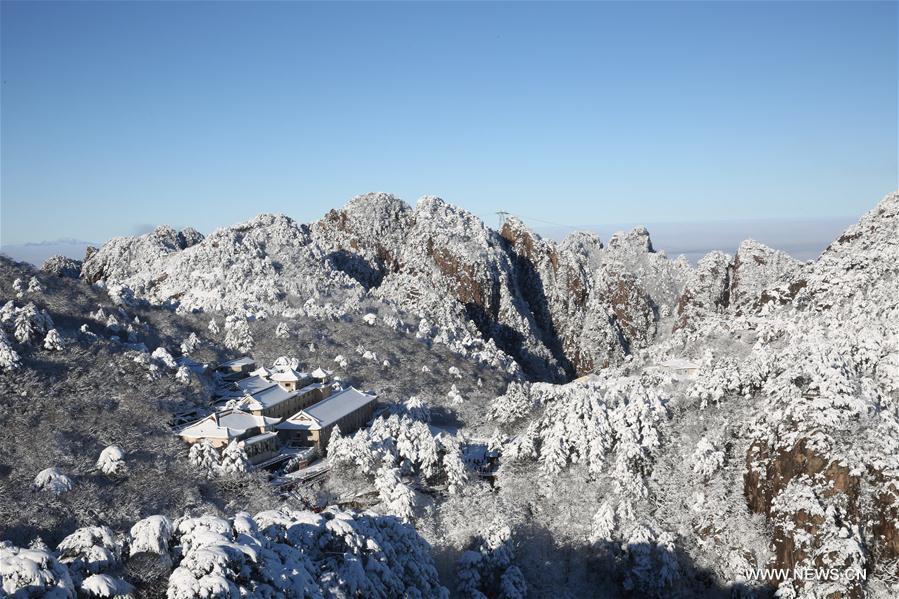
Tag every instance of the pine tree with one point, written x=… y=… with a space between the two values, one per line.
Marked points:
x=603 y=524
x=234 y=459
x=189 y=345
x=8 y=312
x=9 y=359
x=454 y=395
x=24 y=328
x=112 y=460
x=397 y=497
x=237 y=334
x=53 y=341
x=206 y=457
x=453 y=465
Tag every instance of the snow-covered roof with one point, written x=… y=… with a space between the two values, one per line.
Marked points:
x=244 y=361
x=254 y=384
x=262 y=372
x=327 y=412
x=289 y=375
x=226 y=424
x=267 y=398
x=320 y=373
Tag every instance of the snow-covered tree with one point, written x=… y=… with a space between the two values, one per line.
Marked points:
x=53 y=341
x=19 y=287
x=190 y=345
x=162 y=355
x=397 y=497
x=486 y=569
x=33 y=573
x=453 y=465
x=417 y=408
x=454 y=395
x=234 y=459
x=182 y=375
x=604 y=524
x=106 y=587
x=25 y=332
x=34 y=286
x=151 y=535
x=286 y=363
x=296 y=554
x=282 y=331
x=514 y=405
x=90 y=550
x=7 y=312
x=205 y=457
x=513 y=584
x=53 y=480
x=9 y=359
x=112 y=460
x=213 y=327
x=237 y=334
x=706 y=459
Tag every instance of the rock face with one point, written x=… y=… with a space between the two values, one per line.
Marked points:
x=707 y=291
x=61 y=266
x=559 y=309
x=365 y=237
x=823 y=467
x=124 y=256
x=756 y=267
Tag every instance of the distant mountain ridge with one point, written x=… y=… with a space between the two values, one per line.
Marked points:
x=39 y=251
x=559 y=309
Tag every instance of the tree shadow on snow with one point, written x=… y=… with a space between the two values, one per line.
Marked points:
x=607 y=570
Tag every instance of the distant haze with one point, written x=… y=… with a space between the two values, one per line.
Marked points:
x=36 y=253
x=804 y=239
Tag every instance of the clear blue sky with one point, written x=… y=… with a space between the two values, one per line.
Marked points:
x=118 y=115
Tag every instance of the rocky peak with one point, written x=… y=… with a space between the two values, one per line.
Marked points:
x=582 y=243
x=853 y=273
x=364 y=238
x=636 y=239
x=189 y=237
x=175 y=240
x=61 y=266
x=755 y=268
x=707 y=290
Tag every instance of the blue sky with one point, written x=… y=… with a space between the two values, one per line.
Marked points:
x=120 y=115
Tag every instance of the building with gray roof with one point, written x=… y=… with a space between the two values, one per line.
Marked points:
x=349 y=409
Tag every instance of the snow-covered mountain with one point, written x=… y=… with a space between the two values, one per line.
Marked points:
x=655 y=429
x=560 y=310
